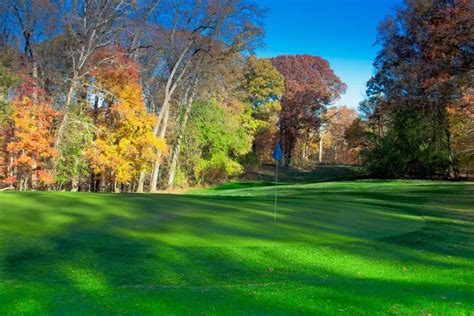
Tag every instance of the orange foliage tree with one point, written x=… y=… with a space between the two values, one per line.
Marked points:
x=29 y=140
x=125 y=142
x=335 y=145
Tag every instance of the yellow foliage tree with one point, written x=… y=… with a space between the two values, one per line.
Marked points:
x=125 y=142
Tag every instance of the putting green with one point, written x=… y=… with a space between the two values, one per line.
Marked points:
x=249 y=222
x=211 y=221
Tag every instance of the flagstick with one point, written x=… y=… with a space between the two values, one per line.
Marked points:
x=276 y=191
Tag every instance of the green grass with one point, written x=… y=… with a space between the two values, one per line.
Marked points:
x=356 y=247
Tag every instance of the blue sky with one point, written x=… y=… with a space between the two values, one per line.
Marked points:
x=341 y=31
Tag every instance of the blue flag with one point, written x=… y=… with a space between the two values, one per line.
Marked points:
x=277 y=152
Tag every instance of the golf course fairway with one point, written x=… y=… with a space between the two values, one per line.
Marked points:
x=354 y=247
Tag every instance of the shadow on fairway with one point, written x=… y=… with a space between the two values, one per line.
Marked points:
x=108 y=254
x=286 y=176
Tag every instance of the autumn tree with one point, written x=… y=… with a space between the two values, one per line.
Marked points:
x=333 y=146
x=263 y=86
x=176 y=43
x=90 y=26
x=30 y=142
x=423 y=69
x=125 y=142
x=310 y=86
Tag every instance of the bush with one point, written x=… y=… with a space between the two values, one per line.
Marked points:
x=181 y=179
x=414 y=147
x=218 y=168
x=250 y=162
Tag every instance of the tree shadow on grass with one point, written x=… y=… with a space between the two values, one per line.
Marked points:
x=286 y=176
x=86 y=264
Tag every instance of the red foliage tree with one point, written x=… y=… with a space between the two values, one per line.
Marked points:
x=310 y=85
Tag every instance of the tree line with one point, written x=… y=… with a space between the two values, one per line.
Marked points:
x=127 y=96
x=120 y=95
x=418 y=118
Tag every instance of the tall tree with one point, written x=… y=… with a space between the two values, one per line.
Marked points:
x=185 y=32
x=217 y=137
x=217 y=74
x=263 y=86
x=30 y=145
x=310 y=86
x=90 y=26
x=125 y=142
x=338 y=150
x=424 y=67
x=35 y=20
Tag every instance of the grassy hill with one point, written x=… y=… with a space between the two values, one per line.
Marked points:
x=363 y=247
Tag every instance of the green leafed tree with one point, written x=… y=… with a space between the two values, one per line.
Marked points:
x=215 y=140
x=72 y=164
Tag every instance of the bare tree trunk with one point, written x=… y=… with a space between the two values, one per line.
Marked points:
x=160 y=123
x=34 y=178
x=156 y=129
x=320 y=158
x=174 y=164
x=141 y=181
x=74 y=184
x=36 y=80
x=62 y=124
x=177 y=148
x=454 y=164
x=305 y=145
x=156 y=167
